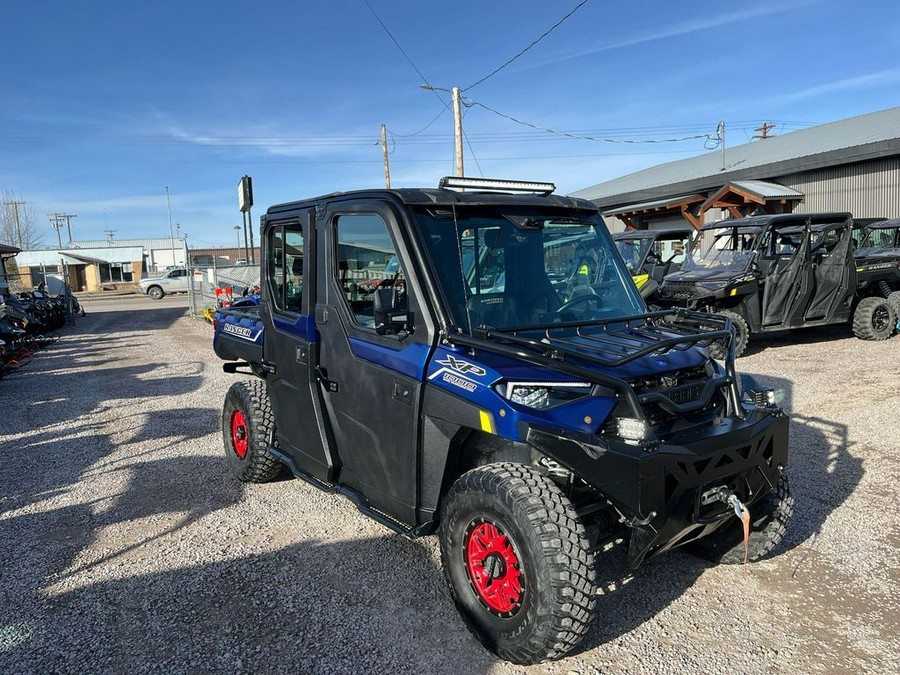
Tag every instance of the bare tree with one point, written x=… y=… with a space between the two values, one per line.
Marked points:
x=18 y=226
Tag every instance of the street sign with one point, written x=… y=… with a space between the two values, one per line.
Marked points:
x=245 y=194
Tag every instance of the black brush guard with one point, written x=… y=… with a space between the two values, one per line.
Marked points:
x=619 y=341
x=656 y=486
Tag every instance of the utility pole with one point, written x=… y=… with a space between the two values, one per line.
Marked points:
x=384 y=152
x=16 y=206
x=68 y=217
x=171 y=233
x=720 y=131
x=250 y=226
x=56 y=222
x=764 y=131
x=457 y=122
x=457 y=130
x=109 y=235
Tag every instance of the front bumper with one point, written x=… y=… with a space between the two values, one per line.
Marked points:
x=658 y=491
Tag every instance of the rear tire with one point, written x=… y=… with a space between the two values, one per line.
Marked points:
x=894 y=301
x=518 y=562
x=874 y=319
x=156 y=293
x=742 y=336
x=247 y=424
x=769 y=521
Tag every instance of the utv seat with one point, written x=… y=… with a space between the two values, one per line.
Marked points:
x=495 y=310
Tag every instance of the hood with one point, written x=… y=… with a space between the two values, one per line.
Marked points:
x=616 y=344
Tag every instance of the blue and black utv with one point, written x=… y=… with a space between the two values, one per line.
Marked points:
x=504 y=384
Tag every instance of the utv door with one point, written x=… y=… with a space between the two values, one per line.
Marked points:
x=289 y=347
x=371 y=366
x=834 y=272
x=788 y=276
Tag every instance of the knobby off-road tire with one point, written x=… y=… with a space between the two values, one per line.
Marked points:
x=247 y=424
x=894 y=301
x=874 y=319
x=769 y=520
x=742 y=336
x=156 y=293
x=517 y=562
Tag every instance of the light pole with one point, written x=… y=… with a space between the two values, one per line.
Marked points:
x=237 y=228
x=457 y=122
x=171 y=233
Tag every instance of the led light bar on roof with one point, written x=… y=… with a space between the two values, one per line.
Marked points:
x=492 y=184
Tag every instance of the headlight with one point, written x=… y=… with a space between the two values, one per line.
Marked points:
x=541 y=395
x=632 y=430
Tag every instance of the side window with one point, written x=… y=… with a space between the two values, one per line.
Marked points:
x=285 y=267
x=367 y=270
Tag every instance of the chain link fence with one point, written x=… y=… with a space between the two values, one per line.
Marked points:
x=203 y=282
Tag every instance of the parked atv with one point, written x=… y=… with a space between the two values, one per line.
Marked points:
x=770 y=273
x=878 y=261
x=513 y=394
x=652 y=254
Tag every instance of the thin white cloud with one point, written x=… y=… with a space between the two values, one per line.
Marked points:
x=868 y=80
x=131 y=203
x=686 y=27
x=277 y=143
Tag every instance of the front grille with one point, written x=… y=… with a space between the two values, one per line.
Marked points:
x=669 y=381
x=679 y=289
x=680 y=387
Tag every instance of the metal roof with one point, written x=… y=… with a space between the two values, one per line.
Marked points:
x=765 y=189
x=851 y=140
x=656 y=204
x=115 y=254
x=146 y=244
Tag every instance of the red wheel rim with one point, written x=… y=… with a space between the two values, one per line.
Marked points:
x=239 y=433
x=493 y=568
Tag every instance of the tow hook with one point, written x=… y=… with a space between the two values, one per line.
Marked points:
x=726 y=496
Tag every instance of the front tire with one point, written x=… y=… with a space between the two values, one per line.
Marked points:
x=156 y=293
x=769 y=518
x=247 y=424
x=741 y=336
x=874 y=319
x=518 y=563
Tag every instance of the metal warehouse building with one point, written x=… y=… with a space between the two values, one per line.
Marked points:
x=851 y=165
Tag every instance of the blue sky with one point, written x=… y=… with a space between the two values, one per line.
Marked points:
x=107 y=103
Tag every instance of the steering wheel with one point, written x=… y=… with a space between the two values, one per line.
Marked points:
x=578 y=301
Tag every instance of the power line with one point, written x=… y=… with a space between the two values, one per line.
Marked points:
x=466 y=138
x=545 y=34
x=394 y=40
x=437 y=117
x=470 y=103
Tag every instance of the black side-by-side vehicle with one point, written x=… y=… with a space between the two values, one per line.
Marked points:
x=650 y=255
x=769 y=273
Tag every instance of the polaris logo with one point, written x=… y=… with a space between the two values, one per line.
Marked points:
x=463 y=367
x=240 y=331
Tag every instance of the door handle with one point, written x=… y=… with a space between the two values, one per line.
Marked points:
x=331 y=386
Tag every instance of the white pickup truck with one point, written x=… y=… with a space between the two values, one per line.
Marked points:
x=173 y=281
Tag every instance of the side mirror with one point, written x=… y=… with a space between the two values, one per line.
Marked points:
x=390 y=317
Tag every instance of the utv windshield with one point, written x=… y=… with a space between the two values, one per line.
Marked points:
x=878 y=240
x=632 y=252
x=722 y=249
x=519 y=268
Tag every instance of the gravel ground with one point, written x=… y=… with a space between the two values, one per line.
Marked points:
x=126 y=547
